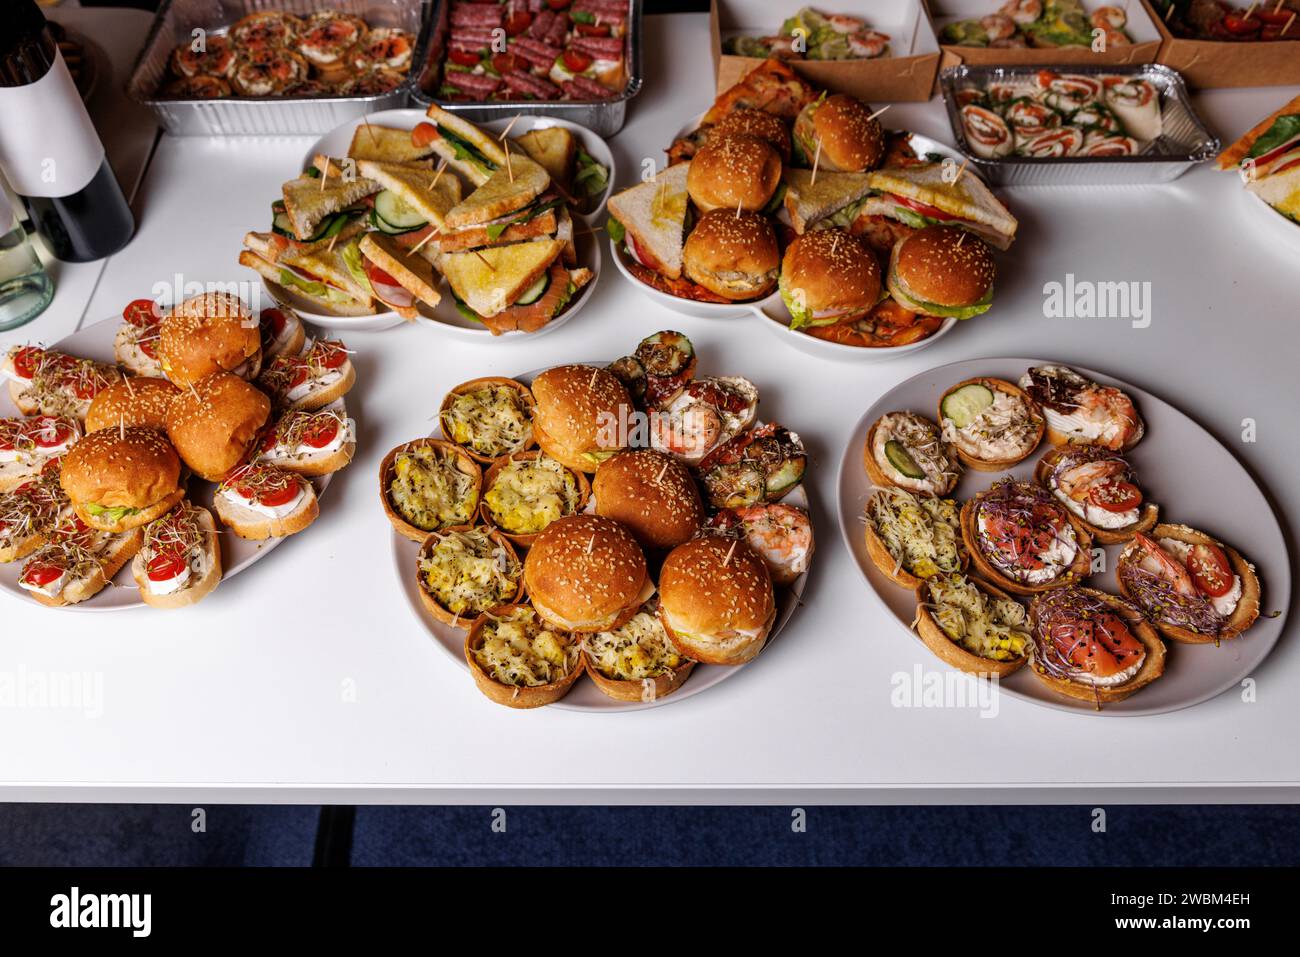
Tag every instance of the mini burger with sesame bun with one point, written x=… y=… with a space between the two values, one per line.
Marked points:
x=141 y=401
x=850 y=140
x=716 y=600
x=211 y=333
x=119 y=479
x=828 y=276
x=766 y=126
x=653 y=494
x=734 y=171
x=580 y=415
x=733 y=254
x=586 y=573
x=215 y=422
x=942 y=271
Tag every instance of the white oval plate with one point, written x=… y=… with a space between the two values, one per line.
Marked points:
x=585 y=696
x=96 y=342
x=444 y=318
x=1194 y=480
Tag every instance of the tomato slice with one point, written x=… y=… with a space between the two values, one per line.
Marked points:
x=26 y=360
x=48 y=432
x=274 y=321
x=592 y=29
x=165 y=566
x=1241 y=26
x=423 y=135
x=377 y=275
x=1117 y=496
x=149 y=347
x=141 y=312
x=1211 y=573
x=518 y=22
x=463 y=57
x=1278 y=19
x=41 y=573
x=575 y=61
x=505 y=63
x=925 y=209
x=332 y=355
x=321 y=432
x=278 y=496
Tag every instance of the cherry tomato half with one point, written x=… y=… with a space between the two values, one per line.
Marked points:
x=1211 y=573
x=1115 y=496
x=575 y=61
x=165 y=566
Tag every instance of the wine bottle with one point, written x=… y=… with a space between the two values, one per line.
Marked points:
x=49 y=150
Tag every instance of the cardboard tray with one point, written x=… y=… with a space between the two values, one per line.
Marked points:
x=907 y=74
x=1210 y=64
x=1141 y=28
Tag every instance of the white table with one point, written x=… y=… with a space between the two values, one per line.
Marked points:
x=241 y=698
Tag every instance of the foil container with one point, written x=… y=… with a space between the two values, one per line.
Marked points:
x=261 y=116
x=603 y=117
x=1184 y=140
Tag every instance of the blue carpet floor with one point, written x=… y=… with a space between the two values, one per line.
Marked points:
x=152 y=835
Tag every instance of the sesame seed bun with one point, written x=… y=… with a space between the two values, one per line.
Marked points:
x=851 y=141
x=830 y=275
x=716 y=601
x=133 y=468
x=766 y=126
x=579 y=414
x=651 y=493
x=943 y=265
x=735 y=256
x=586 y=573
x=215 y=422
x=211 y=333
x=734 y=170
x=140 y=401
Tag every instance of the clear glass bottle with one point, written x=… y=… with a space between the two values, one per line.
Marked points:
x=25 y=287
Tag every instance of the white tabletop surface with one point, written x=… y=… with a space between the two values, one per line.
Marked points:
x=244 y=697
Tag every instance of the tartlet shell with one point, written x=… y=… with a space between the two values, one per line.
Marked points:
x=464 y=462
x=1243 y=616
x=633 y=690
x=438 y=611
x=1147 y=518
x=1079 y=569
x=997 y=385
x=510 y=695
x=877 y=474
x=525 y=539
x=947 y=650
x=1152 y=668
x=481 y=383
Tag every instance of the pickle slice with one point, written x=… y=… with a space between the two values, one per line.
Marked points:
x=902 y=460
x=964 y=405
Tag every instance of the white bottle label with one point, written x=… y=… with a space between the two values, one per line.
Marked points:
x=48 y=146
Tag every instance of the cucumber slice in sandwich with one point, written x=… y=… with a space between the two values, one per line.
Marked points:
x=397 y=213
x=535 y=291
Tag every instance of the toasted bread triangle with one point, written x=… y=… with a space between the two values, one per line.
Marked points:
x=810 y=201
x=552 y=147
x=490 y=280
x=654 y=213
x=385 y=144
x=411 y=183
x=413 y=273
x=309 y=199
x=505 y=191
x=968 y=198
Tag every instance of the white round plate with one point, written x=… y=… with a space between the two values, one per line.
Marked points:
x=444 y=318
x=308 y=311
x=687 y=307
x=337 y=140
x=96 y=342
x=1194 y=480
x=585 y=696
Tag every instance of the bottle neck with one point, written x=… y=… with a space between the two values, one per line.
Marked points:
x=27 y=50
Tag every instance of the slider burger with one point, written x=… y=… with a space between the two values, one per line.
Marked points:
x=119 y=479
x=733 y=254
x=580 y=416
x=734 y=171
x=141 y=401
x=215 y=422
x=586 y=573
x=759 y=123
x=850 y=139
x=828 y=276
x=211 y=333
x=942 y=271
x=651 y=493
x=716 y=601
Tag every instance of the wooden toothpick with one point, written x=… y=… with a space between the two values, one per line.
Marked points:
x=817 y=156
x=1250 y=9
x=420 y=245
x=1169 y=10
x=964 y=163
x=1286 y=29
x=485 y=261
x=370 y=130
x=325 y=174
x=879 y=111
x=510 y=170
x=662 y=472
x=730 y=551
x=442 y=165
x=961 y=239
x=510 y=126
